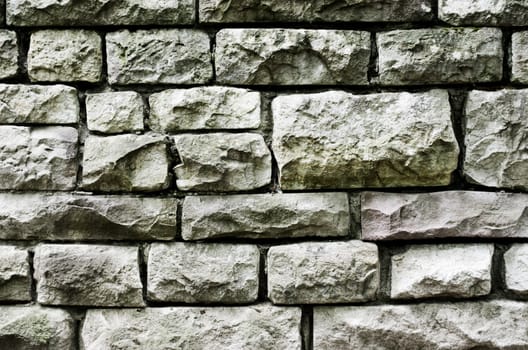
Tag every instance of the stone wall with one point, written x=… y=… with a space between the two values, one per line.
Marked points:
x=326 y=174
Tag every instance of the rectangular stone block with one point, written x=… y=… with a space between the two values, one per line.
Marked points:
x=337 y=140
x=88 y=275
x=392 y=216
x=484 y=13
x=440 y=56
x=516 y=269
x=115 y=112
x=15 y=280
x=8 y=53
x=291 y=57
x=254 y=216
x=519 y=57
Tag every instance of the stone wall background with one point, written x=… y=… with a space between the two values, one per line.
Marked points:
x=263 y=174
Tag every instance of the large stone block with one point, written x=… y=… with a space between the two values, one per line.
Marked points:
x=115 y=112
x=484 y=12
x=8 y=54
x=516 y=269
x=338 y=140
x=519 y=57
x=15 y=280
x=440 y=56
x=389 y=216
x=292 y=56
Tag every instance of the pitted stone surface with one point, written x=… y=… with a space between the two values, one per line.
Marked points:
x=497 y=324
x=8 y=54
x=15 y=282
x=519 y=57
x=208 y=107
x=443 y=270
x=323 y=272
x=389 y=216
x=338 y=140
x=222 y=162
x=89 y=275
x=255 y=216
x=496 y=138
x=203 y=273
x=65 y=55
x=158 y=56
x=484 y=12
x=516 y=269
x=262 y=327
x=440 y=56
x=115 y=112
x=292 y=56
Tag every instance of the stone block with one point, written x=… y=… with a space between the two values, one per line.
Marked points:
x=115 y=112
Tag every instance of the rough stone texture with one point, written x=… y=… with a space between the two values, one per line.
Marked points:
x=90 y=275
x=519 y=54
x=32 y=216
x=258 y=216
x=496 y=138
x=36 y=328
x=388 y=216
x=516 y=269
x=38 y=104
x=323 y=272
x=262 y=327
x=38 y=158
x=484 y=12
x=115 y=112
x=8 y=54
x=292 y=56
x=222 y=162
x=97 y=12
x=125 y=163
x=15 y=282
x=338 y=140
x=444 y=270
x=208 y=107
x=65 y=55
x=203 y=273
x=222 y=11
x=158 y=56
x=440 y=56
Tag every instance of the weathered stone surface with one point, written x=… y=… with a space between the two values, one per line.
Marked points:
x=222 y=162
x=38 y=104
x=38 y=158
x=338 y=140
x=262 y=326
x=280 y=215
x=168 y=56
x=443 y=270
x=519 y=57
x=90 y=275
x=292 y=56
x=32 y=216
x=203 y=273
x=221 y=11
x=516 y=269
x=484 y=12
x=15 y=282
x=443 y=214
x=323 y=272
x=498 y=324
x=36 y=328
x=208 y=107
x=96 y=12
x=65 y=55
x=8 y=54
x=125 y=163
x=115 y=112
x=440 y=56
x=496 y=138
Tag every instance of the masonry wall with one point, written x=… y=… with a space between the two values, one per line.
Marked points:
x=346 y=174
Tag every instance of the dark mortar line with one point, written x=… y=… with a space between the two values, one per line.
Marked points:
x=498 y=285
x=146 y=111
x=457 y=101
x=77 y=340
x=415 y=190
x=211 y=131
x=33 y=282
x=373 y=69
x=354 y=203
x=212 y=50
x=23 y=48
x=307 y=330
x=507 y=58
x=104 y=56
x=263 y=272
x=179 y=215
x=394 y=245
x=196 y=9
x=82 y=132
x=385 y=253
x=434 y=11
x=143 y=250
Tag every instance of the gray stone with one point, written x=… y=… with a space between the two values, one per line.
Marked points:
x=496 y=131
x=8 y=54
x=484 y=12
x=442 y=270
x=497 y=324
x=519 y=53
x=338 y=140
x=440 y=56
x=36 y=328
x=158 y=56
x=65 y=55
x=88 y=275
x=38 y=104
x=115 y=112
x=35 y=216
x=255 y=216
x=222 y=162
x=97 y=12
x=126 y=163
x=15 y=282
x=38 y=158
x=262 y=327
x=203 y=273
x=207 y=107
x=516 y=269
x=292 y=56
x=390 y=216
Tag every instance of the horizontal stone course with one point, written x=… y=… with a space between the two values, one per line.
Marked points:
x=483 y=12
x=15 y=280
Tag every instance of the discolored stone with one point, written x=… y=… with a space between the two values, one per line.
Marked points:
x=8 y=53
x=115 y=112
x=516 y=269
x=483 y=12
x=519 y=57
x=15 y=281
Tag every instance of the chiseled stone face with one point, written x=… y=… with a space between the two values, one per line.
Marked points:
x=15 y=281
x=519 y=57
x=115 y=112
x=483 y=12
x=516 y=269
x=8 y=54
